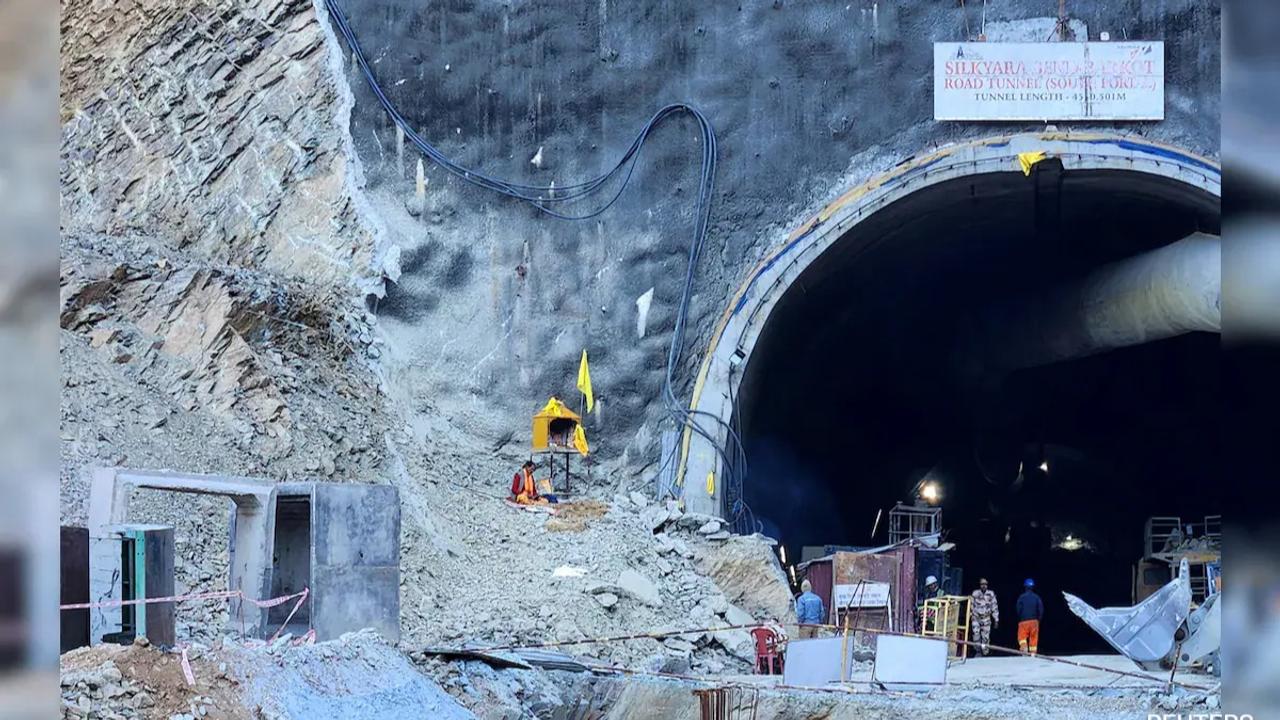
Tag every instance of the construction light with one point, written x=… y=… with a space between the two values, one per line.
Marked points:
x=931 y=492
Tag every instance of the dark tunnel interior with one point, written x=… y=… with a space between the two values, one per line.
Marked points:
x=861 y=384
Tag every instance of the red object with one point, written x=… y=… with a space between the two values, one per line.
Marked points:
x=768 y=658
x=522 y=482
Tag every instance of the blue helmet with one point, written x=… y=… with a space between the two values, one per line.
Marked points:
x=1028 y=583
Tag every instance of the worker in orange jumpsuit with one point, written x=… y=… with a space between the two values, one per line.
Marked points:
x=1030 y=613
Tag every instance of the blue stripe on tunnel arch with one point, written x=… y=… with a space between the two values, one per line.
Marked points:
x=1158 y=151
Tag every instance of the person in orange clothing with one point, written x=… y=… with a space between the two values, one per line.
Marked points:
x=1030 y=613
x=524 y=489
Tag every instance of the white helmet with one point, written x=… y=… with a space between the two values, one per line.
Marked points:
x=931 y=580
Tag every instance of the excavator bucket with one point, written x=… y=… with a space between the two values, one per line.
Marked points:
x=1204 y=633
x=1145 y=632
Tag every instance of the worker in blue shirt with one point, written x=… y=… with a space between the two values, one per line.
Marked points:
x=809 y=611
x=1030 y=612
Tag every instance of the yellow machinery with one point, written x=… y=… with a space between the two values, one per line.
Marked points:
x=947 y=618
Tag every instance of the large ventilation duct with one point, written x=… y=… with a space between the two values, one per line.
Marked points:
x=1163 y=293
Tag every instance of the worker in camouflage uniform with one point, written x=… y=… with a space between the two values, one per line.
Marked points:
x=985 y=614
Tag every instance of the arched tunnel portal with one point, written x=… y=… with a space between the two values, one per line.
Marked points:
x=1043 y=346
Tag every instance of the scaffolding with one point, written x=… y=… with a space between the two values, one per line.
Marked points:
x=1167 y=539
x=913 y=521
x=1213 y=529
x=1162 y=535
x=947 y=618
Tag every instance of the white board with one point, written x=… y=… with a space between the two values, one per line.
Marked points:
x=1048 y=81
x=909 y=663
x=862 y=595
x=816 y=662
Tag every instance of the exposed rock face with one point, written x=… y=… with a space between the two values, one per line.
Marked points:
x=750 y=576
x=210 y=126
x=209 y=264
x=235 y=344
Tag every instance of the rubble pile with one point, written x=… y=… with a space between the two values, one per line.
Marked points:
x=103 y=692
x=615 y=576
x=748 y=572
x=360 y=677
x=1186 y=701
x=111 y=682
x=356 y=677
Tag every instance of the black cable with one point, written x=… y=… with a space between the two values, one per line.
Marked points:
x=543 y=197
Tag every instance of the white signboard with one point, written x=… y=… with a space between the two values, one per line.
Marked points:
x=867 y=594
x=1048 y=81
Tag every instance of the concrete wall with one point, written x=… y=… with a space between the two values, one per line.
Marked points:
x=352 y=536
x=252 y=523
x=355 y=562
x=494 y=303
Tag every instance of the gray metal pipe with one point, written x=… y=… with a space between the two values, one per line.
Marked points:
x=1170 y=291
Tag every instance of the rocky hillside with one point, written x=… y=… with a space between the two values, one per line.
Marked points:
x=212 y=320
x=210 y=254
x=212 y=127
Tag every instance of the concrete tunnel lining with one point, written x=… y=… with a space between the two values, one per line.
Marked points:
x=744 y=320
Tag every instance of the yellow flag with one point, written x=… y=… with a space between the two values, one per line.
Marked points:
x=1027 y=159
x=580 y=440
x=584 y=382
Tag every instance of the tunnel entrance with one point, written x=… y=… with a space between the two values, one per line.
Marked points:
x=869 y=376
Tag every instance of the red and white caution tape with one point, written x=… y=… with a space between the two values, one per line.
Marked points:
x=186 y=668
x=151 y=601
x=217 y=595
x=300 y=596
